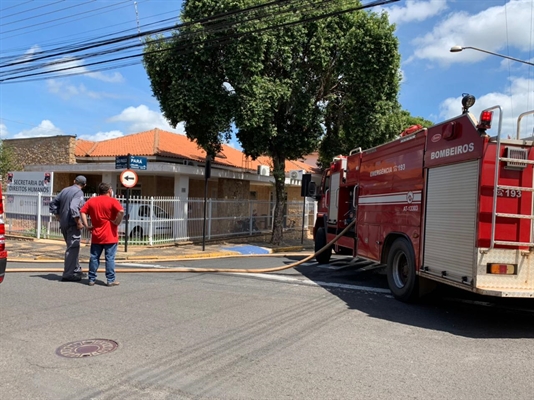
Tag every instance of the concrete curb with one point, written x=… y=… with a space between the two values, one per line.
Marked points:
x=287 y=249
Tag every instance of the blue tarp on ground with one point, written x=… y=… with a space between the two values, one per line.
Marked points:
x=247 y=249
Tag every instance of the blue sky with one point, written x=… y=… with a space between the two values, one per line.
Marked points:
x=112 y=103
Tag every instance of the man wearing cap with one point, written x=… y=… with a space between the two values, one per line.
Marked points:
x=66 y=207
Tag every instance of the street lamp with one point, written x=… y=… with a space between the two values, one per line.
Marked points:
x=456 y=49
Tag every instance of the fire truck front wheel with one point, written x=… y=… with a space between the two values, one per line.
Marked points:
x=402 y=279
x=320 y=242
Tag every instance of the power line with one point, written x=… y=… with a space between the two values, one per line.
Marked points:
x=110 y=9
x=58 y=19
x=224 y=25
x=16 y=5
x=89 y=45
x=219 y=40
x=31 y=9
x=48 y=13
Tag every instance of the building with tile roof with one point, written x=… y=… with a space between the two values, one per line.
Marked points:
x=175 y=166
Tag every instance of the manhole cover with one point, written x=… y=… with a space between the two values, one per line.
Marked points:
x=87 y=348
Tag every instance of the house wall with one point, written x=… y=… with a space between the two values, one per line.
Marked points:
x=45 y=150
x=51 y=150
x=63 y=180
x=262 y=193
x=158 y=186
x=293 y=193
x=196 y=189
x=233 y=189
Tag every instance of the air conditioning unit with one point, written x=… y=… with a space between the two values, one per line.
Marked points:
x=296 y=174
x=264 y=170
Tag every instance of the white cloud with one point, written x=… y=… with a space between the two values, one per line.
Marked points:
x=415 y=10
x=45 y=128
x=66 y=65
x=518 y=98
x=115 y=77
x=512 y=65
x=99 y=136
x=403 y=78
x=70 y=65
x=495 y=29
x=141 y=118
x=67 y=91
x=28 y=54
x=3 y=131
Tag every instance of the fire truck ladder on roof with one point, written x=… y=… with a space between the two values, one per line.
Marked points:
x=518 y=160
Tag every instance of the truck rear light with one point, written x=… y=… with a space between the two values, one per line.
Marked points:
x=502 y=269
x=1 y=278
x=485 y=120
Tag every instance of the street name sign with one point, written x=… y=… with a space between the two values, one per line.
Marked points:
x=136 y=162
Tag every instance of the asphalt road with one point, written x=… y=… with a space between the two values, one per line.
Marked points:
x=215 y=336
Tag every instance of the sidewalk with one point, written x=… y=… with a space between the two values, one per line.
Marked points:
x=23 y=249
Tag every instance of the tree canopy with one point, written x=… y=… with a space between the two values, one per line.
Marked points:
x=284 y=77
x=7 y=161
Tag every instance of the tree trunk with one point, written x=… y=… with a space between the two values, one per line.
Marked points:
x=279 y=164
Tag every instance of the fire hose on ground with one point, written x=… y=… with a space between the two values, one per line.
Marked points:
x=203 y=270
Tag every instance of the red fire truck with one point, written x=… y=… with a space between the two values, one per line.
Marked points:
x=449 y=204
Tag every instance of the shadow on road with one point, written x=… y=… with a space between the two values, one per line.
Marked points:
x=447 y=309
x=50 y=277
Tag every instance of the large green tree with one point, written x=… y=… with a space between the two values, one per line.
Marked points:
x=341 y=137
x=284 y=89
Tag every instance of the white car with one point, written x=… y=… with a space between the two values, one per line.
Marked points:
x=143 y=220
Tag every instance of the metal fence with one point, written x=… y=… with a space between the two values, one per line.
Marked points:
x=158 y=220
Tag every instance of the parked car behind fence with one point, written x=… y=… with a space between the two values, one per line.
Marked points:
x=145 y=220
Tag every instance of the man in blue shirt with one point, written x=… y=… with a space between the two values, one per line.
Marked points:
x=66 y=207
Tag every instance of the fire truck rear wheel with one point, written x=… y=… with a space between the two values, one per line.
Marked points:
x=320 y=242
x=402 y=279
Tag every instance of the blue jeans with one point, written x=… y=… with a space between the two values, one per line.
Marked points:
x=94 y=261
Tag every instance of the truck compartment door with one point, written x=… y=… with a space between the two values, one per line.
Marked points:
x=450 y=223
x=333 y=206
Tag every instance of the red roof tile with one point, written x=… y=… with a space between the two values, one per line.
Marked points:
x=83 y=147
x=157 y=142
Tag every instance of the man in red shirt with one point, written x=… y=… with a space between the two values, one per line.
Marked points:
x=106 y=214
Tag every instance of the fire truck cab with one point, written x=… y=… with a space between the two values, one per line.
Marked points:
x=447 y=204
